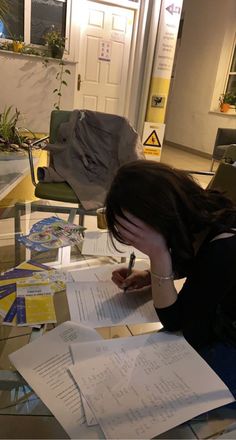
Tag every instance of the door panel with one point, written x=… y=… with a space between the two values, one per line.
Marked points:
x=104 y=50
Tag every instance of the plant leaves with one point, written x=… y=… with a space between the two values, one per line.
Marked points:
x=67 y=71
x=55 y=90
x=64 y=82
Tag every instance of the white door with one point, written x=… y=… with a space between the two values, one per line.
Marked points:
x=104 y=50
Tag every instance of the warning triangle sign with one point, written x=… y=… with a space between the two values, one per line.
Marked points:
x=152 y=140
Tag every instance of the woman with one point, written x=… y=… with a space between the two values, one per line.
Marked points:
x=186 y=231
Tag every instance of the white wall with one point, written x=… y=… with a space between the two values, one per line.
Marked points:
x=202 y=61
x=26 y=84
x=208 y=32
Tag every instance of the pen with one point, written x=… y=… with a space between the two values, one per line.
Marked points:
x=130 y=265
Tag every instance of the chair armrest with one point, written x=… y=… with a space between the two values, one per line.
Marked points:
x=30 y=155
x=38 y=142
x=202 y=173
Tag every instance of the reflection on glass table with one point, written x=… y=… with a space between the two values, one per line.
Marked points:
x=18 y=399
x=12 y=172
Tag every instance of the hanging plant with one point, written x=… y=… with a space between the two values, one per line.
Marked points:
x=60 y=77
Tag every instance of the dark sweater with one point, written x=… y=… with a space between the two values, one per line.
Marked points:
x=210 y=282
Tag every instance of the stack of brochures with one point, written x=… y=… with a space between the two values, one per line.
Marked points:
x=26 y=294
x=52 y=233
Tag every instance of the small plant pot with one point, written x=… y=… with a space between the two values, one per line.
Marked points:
x=17 y=46
x=56 y=52
x=224 y=107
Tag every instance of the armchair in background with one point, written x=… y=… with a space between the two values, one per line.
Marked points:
x=224 y=138
x=224 y=178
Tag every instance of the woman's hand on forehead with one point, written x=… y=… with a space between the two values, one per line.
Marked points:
x=139 y=234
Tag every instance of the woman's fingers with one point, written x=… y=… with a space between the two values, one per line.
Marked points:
x=129 y=231
x=136 y=280
x=128 y=224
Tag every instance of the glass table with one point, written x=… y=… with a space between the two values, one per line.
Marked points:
x=23 y=415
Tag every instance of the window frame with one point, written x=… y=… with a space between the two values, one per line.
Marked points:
x=27 y=25
x=222 y=74
x=229 y=71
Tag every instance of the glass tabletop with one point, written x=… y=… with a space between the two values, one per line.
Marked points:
x=17 y=399
x=16 y=396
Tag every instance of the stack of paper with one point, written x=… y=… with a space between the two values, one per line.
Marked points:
x=44 y=364
x=99 y=243
x=142 y=386
x=135 y=387
x=26 y=294
x=94 y=300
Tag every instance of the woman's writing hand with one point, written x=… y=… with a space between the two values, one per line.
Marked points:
x=136 y=280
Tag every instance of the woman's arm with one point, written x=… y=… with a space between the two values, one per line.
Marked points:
x=150 y=242
x=163 y=289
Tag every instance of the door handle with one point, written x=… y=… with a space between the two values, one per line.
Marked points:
x=78 y=81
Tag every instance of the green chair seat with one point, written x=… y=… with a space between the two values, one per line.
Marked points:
x=61 y=192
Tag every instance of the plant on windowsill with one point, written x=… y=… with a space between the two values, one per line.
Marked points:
x=55 y=43
x=17 y=44
x=226 y=101
x=12 y=138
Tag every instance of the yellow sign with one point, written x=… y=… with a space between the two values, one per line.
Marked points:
x=152 y=151
x=152 y=140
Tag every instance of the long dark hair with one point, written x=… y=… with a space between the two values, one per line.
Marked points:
x=170 y=201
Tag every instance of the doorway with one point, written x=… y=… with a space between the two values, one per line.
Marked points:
x=104 y=57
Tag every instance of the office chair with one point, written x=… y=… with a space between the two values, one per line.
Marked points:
x=224 y=138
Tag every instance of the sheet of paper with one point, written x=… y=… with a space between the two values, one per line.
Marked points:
x=142 y=386
x=104 y=272
x=99 y=243
x=89 y=415
x=102 y=303
x=44 y=365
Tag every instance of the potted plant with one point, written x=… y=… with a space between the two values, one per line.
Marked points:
x=227 y=100
x=12 y=138
x=17 y=44
x=56 y=43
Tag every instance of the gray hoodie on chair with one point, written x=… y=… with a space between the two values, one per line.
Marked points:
x=90 y=148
